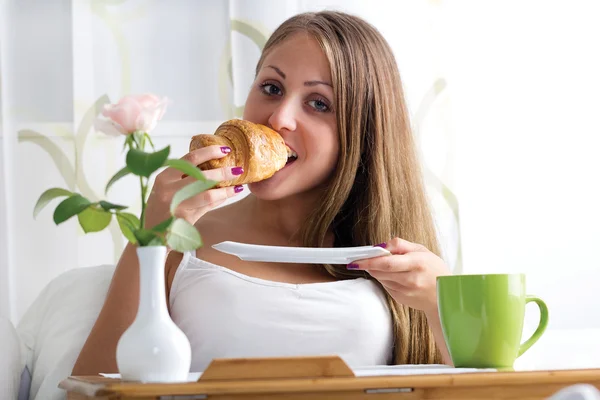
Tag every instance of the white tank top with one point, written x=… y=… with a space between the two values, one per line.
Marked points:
x=226 y=314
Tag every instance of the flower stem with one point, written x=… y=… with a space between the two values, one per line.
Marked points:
x=134 y=143
x=143 y=215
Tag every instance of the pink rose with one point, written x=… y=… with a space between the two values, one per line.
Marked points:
x=132 y=113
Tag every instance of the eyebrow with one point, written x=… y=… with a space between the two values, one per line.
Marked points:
x=314 y=83
x=307 y=83
x=280 y=72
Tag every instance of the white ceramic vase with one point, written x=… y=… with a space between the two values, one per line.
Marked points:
x=153 y=348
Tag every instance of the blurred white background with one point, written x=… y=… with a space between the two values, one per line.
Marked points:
x=504 y=98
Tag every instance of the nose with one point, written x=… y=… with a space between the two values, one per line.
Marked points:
x=283 y=117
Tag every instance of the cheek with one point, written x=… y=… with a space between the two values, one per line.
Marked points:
x=335 y=146
x=333 y=152
x=326 y=147
x=252 y=108
x=333 y=143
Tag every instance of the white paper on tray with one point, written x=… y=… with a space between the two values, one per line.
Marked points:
x=379 y=370
x=192 y=376
x=419 y=369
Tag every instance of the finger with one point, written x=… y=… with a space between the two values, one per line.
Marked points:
x=217 y=175
x=166 y=190
x=399 y=287
x=393 y=287
x=223 y=174
x=398 y=278
x=197 y=157
x=405 y=281
x=393 y=263
x=174 y=186
x=209 y=199
x=401 y=246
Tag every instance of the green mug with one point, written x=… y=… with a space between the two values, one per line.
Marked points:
x=482 y=318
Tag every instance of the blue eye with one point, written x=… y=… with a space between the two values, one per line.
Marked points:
x=270 y=89
x=319 y=105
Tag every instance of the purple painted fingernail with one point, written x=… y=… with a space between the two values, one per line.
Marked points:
x=226 y=150
x=383 y=245
x=237 y=170
x=352 y=266
x=238 y=188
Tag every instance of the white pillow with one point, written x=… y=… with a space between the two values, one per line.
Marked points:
x=55 y=327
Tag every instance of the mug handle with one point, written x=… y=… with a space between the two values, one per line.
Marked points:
x=541 y=326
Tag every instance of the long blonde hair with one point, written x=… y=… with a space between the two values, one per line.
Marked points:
x=386 y=198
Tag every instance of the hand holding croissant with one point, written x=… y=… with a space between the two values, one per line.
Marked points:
x=259 y=150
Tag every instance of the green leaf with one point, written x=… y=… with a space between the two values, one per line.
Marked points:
x=144 y=236
x=94 y=219
x=163 y=226
x=183 y=236
x=132 y=221
x=144 y=164
x=107 y=206
x=123 y=172
x=48 y=196
x=69 y=207
x=128 y=224
x=186 y=167
x=189 y=191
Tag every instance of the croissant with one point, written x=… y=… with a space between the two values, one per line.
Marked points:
x=259 y=150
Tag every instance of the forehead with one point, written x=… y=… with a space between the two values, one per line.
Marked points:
x=300 y=53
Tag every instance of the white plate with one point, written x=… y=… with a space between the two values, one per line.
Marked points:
x=304 y=255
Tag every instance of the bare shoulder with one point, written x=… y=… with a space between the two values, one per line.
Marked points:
x=213 y=226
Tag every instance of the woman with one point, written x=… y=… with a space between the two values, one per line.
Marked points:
x=329 y=84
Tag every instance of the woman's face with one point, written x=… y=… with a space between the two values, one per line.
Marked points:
x=293 y=95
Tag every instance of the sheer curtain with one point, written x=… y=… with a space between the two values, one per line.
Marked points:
x=503 y=98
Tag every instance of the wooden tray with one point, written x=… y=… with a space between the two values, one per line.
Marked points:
x=298 y=378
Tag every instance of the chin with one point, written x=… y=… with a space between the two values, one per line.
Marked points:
x=269 y=190
x=276 y=187
x=291 y=181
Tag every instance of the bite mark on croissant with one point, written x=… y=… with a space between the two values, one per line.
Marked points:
x=259 y=150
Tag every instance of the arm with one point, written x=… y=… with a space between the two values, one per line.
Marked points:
x=436 y=327
x=118 y=312
x=120 y=307
x=409 y=276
